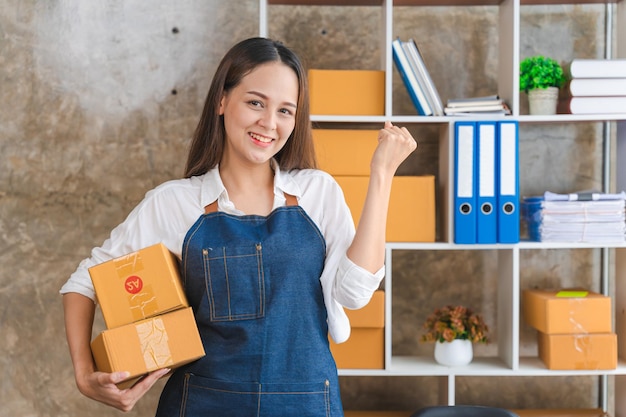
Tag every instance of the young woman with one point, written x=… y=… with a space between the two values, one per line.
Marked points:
x=252 y=199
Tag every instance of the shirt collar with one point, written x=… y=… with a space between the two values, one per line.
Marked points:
x=284 y=182
x=213 y=188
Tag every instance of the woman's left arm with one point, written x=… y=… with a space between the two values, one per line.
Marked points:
x=367 y=250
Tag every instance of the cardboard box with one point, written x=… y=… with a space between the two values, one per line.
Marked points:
x=347 y=92
x=365 y=349
x=578 y=351
x=345 y=151
x=139 y=285
x=411 y=216
x=571 y=311
x=166 y=341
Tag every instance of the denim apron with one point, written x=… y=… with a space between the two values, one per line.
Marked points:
x=253 y=283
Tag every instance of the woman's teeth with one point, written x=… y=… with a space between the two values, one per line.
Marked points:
x=260 y=138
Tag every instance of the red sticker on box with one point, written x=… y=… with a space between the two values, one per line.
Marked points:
x=133 y=284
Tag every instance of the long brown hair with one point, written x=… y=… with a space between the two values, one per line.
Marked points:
x=209 y=138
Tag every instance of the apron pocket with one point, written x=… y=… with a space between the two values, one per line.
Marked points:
x=209 y=397
x=301 y=399
x=235 y=282
x=205 y=396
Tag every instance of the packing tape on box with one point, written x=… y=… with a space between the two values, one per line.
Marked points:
x=583 y=344
x=143 y=304
x=129 y=264
x=141 y=298
x=575 y=304
x=154 y=344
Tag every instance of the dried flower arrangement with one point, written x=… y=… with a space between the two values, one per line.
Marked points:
x=455 y=322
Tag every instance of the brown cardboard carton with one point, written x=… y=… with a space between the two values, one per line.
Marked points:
x=573 y=311
x=345 y=151
x=165 y=341
x=594 y=351
x=347 y=92
x=411 y=216
x=365 y=349
x=139 y=285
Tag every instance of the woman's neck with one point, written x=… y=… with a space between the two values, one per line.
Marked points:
x=251 y=188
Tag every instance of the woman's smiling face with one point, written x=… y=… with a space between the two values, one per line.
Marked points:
x=259 y=113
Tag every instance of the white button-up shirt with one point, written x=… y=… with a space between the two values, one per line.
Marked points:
x=168 y=211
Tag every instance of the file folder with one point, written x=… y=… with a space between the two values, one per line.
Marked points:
x=486 y=213
x=409 y=78
x=464 y=182
x=508 y=185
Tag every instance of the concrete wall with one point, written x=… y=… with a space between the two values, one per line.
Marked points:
x=97 y=104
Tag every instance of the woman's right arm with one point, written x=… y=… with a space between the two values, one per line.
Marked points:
x=100 y=386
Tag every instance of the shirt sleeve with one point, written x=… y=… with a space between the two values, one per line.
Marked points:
x=163 y=216
x=344 y=283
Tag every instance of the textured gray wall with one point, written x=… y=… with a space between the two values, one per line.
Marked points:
x=97 y=104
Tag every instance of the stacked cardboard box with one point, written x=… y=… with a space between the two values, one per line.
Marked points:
x=149 y=323
x=346 y=155
x=347 y=92
x=365 y=349
x=573 y=328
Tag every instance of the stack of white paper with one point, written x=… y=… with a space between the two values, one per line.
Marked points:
x=582 y=217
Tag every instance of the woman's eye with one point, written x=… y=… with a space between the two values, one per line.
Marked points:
x=255 y=103
x=286 y=111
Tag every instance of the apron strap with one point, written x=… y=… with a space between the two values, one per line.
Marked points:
x=290 y=201
x=211 y=208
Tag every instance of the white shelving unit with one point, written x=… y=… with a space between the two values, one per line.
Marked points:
x=508 y=361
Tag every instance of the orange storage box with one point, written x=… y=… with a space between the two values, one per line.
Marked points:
x=347 y=92
x=567 y=311
x=411 y=216
x=365 y=349
x=139 y=285
x=595 y=351
x=345 y=151
x=165 y=341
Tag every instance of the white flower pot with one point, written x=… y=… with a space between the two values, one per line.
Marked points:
x=543 y=101
x=455 y=353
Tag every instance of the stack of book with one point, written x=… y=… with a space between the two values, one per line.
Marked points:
x=597 y=86
x=410 y=64
x=579 y=217
x=476 y=106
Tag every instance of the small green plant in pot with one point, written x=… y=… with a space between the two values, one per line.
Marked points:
x=541 y=77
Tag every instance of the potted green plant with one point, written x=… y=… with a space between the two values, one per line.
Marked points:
x=541 y=78
x=454 y=329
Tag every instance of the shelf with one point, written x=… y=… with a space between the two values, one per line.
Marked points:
x=504 y=263
x=567 y=118
x=426 y=366
x=531 y=366
x=540 y=2
x=409 y=119
x=500 y=246
x=380 y=2
x=428 y=2
x=561 y=412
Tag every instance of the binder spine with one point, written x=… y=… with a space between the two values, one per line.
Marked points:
x=464 y=182
x=508 y=187
x=486 y=213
